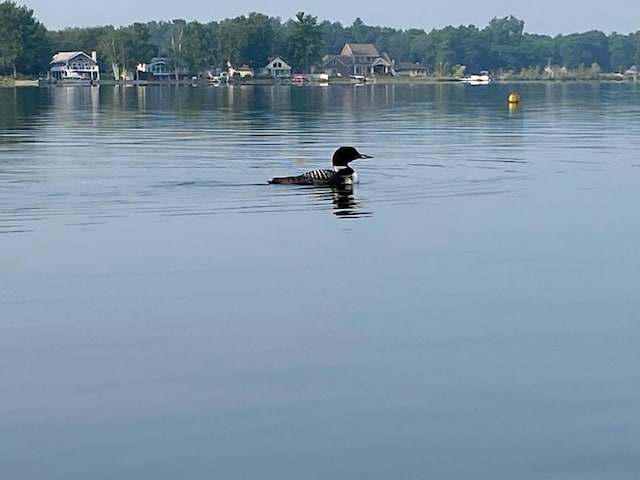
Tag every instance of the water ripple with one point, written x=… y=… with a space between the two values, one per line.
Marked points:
x=88 y=161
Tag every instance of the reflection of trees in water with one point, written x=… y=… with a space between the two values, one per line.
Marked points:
x=20 y=108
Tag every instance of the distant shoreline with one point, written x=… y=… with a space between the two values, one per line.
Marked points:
x=7 y=82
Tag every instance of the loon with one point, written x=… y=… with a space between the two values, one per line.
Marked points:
x=342 y=173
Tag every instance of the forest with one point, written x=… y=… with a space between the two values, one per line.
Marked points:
x=26 y=45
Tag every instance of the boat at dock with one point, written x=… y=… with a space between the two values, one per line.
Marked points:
x=72 y=77
x=482 y=78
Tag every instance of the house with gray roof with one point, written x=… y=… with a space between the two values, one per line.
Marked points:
x=356 y=59
x=74 y=66
x=410 y=69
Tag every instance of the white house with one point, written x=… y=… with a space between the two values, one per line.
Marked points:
x=74 y=66
x=276 y=67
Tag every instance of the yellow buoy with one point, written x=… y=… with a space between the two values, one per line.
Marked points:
x=513 y=98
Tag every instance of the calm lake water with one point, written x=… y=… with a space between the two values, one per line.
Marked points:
x=470 y=311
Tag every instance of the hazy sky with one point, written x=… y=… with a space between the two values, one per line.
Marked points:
x=549 y=17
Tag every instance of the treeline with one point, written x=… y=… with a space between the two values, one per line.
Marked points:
x=26 y=46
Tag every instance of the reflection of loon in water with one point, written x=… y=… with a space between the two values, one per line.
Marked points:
x=342 y=173
x=345 y=204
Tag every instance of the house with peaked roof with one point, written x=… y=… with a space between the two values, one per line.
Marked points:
x=357 y=59
x=337 y=65
x=74 y=66
x=276 y=67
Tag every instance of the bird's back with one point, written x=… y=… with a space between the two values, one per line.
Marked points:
x=322 y=176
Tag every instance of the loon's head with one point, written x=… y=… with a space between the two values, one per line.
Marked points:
x=343 y=155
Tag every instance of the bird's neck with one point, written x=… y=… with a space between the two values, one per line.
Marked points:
x=337 y=168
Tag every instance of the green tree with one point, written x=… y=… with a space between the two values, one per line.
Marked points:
x=584 y=49
x=11 y=45
x=160 y=35
x=121 y=49
x=72 y=39
x=621 y=52
x=334 y=36
x=305 y=41
x=139 y=43
x=505 y=37
x=635 y=40
x=175 y=46
x=537 y=50
x=232 y=40
x=443 y=56
x=23 y=40
x=114 y=46
x=198 y=46
x=361 y=33
x=423 y=47
x=399 y=45
x=260 y=36
x=470 y=48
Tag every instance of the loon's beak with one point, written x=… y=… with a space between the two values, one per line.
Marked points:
x=362 y=155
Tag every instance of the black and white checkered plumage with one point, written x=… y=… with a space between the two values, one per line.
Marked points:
x=342 y=173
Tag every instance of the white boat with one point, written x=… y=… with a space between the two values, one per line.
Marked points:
x=71 y=77
x=483 y=78
x=358 y=78
x=300 y=79
x=217 y=80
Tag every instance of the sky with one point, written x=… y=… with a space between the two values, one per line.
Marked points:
x=549 y=17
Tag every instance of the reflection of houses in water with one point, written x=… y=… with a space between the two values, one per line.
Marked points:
x=354 y=98
x=69 y=98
